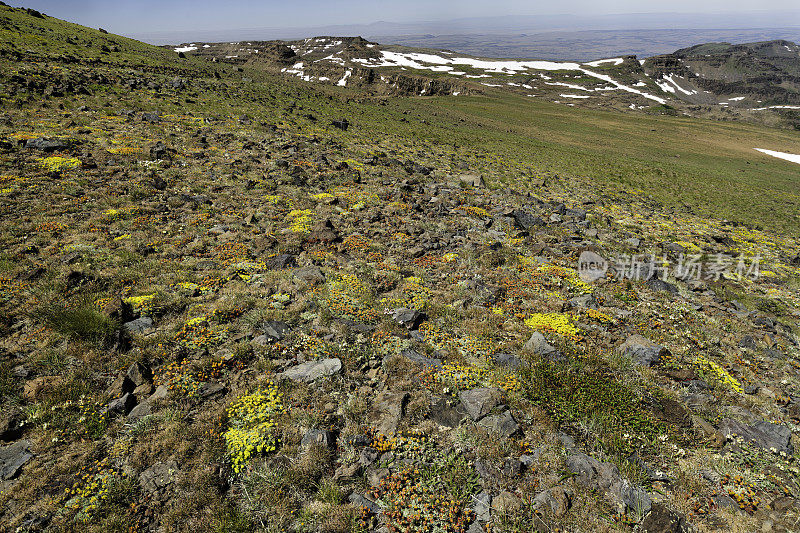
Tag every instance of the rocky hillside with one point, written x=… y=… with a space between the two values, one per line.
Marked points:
x=227 y=305
x=755 y=77
x=754 y=82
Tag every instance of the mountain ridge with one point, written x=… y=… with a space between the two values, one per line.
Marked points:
x=759 y=98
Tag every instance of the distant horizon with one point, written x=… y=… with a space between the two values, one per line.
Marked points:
x=549 y=36
x=276 y=20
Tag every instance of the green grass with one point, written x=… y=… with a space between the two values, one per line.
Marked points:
x=709 y=166
x=82 y=320
x=573 y=394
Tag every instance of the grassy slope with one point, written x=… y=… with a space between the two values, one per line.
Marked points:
x=710 y=166
x=54 y=39
x=547 y=137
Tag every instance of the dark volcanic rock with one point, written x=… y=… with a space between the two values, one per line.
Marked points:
x=526 y=220
x=480 y=402
x=643 y=351
x=767 y=436
x=46 y=145
x=13 y=457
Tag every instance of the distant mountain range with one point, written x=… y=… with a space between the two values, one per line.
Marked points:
x=562 y=37
x=585 y=45
x=757 y=82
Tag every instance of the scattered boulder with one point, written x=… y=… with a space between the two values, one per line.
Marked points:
x=482 y=505
x=584 y=301
x=368 y=456
x=673 y=412
x=211 y=390
x=158 y=151
x=11 y=422
x=152 y=118
x=479 y=402
x=140 y=411
x=347 y=473
x=508 y=360
x=13 y=457
x=765 y=435
x=512 y=467
x=34 y=388
x=526 y=220
x=122 y=405
x=388 y=408
x=161 y=392
x=318 y=437
x=446 y=413
x=324 y=232
x=419 y=359
x=471 y=180
x=159 y=476
x=506 y=503
x=280 y=261
x=46 y=145
x=139 y=374
x=140 y=326
x=660 y=285
x=538 y=345
x=362 y=501
x=310 y=275
x=643 y=351
x=271 y=331
x=714 y=437
x=606 y=477
x=748 y=342
x=503 y=425
x=410 y=318
x=555 y=501
x=476 y=527
x=312 y=370
x=661 y=520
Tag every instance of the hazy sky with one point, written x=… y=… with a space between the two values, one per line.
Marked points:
x=141 y=16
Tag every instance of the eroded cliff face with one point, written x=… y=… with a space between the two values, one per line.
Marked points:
x=762 y=73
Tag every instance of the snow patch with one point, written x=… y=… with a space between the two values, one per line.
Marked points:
x=624 y=87
x=794 y=158
x=568 y=85
x=669 y=85
x=343 y=82
x=573 y=96
x=776 y=107
x=617 y=62
x=437 y=63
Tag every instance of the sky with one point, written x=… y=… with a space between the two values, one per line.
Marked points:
x=132 y=17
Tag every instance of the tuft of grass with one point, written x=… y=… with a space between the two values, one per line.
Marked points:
x=82 y=320
x=328 y=491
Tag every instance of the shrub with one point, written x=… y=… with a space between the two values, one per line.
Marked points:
x=580 y=395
